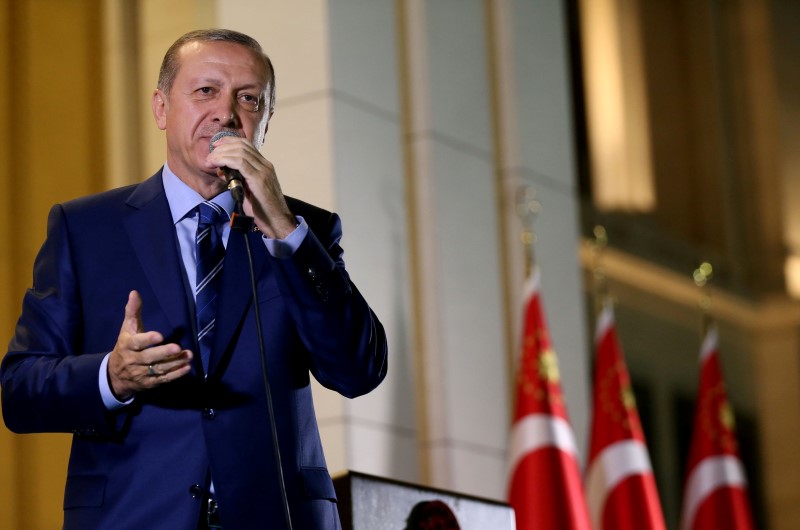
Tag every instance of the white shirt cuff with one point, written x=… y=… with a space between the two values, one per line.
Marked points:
x=109 y=400
x=284 y=248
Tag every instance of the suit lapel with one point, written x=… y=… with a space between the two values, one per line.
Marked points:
x=152 y=235
x=237 y=291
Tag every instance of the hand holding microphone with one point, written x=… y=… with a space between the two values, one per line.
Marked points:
x=265 y=200
x=233 y=177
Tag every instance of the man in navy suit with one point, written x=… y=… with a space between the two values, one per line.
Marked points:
x=107 y=346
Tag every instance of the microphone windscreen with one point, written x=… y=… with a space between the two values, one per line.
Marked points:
x=219 y=135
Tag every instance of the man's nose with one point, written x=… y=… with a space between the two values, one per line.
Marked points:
x=226 y=112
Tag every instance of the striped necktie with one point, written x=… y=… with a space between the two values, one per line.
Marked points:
x=210 y=258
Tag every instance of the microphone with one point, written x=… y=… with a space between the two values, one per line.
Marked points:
x=243 y=223
x=233 y=177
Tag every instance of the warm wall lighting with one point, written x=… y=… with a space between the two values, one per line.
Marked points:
x=616 y=106
x=792 y=273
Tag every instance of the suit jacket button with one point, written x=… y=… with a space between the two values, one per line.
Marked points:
x=196 y=491
x=322 y=292
x=209 y=413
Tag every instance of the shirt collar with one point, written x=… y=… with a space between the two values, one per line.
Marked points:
x=183 y=200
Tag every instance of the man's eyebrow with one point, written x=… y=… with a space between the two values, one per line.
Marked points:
x=215 y=81
x=257 y=86
x=252 y=85
x=206 y=80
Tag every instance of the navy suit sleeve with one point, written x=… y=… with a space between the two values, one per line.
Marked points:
x=48 y=384
x=345 y=341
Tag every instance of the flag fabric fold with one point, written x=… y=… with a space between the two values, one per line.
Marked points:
x=620 y=488
x=545 y=487
x=715 y=493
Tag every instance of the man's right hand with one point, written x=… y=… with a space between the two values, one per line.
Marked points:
x=139 y=360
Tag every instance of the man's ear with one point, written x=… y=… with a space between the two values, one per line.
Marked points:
x=159 y=105
x=266 y=125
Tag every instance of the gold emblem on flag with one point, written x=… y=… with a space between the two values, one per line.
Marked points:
x=628 y=398
x=718 y=419
x=617 y=398
x=548 y=367
x=726 y=417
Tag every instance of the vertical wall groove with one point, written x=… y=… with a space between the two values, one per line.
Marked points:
x=502 y=100
x=122 y=78
x=411 y=61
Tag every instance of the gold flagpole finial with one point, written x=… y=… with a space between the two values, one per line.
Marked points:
x=528 y=207
x=701 y=276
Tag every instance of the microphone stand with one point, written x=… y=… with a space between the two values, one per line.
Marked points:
x=243 y=223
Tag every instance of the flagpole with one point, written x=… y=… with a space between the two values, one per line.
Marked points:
x=528 y=208
x=545 y=487
x=715 y=488
x=621 y=492
x=701 y=276
x=599 y=279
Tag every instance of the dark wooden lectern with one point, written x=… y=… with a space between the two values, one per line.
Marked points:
x=367 y=502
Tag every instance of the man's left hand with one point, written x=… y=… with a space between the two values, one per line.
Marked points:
x=264 y=200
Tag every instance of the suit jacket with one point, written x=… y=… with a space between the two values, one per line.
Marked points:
x=147 y=465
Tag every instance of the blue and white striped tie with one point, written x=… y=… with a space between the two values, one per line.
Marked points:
x=210 y=259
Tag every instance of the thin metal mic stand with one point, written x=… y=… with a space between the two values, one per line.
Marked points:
x=242 y=223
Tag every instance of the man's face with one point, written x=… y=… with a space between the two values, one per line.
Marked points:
x=219 y=85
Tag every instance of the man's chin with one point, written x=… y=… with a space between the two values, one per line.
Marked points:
x=209 y=171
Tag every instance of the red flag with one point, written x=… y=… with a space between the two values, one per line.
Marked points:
x=715 y=495
x=620 y=488
x=545 y=484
